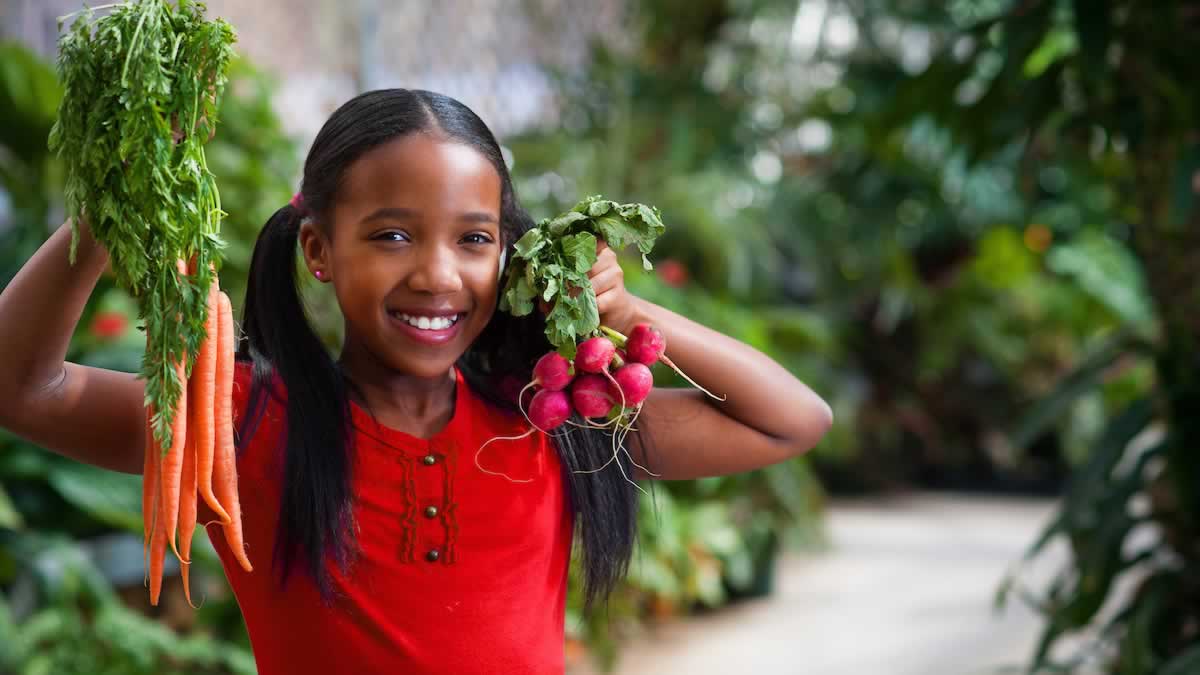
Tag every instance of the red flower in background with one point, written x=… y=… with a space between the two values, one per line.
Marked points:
x=673 y=273
x=108 y=325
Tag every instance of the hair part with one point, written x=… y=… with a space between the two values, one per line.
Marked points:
x=315 y=504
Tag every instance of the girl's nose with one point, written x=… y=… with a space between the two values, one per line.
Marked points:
x=436 y=273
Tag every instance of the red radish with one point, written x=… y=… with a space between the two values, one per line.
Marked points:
x=592 y=395
x=553 y=372
x=635 y=381
x=549 y=409
x=645 y=344
x=595 y=354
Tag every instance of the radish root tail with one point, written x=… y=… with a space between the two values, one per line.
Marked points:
x=670 y=364
x=501 y=473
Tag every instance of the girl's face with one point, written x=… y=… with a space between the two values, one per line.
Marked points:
x=415 y=240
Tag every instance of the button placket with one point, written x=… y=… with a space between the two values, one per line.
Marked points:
x=435 y=506
x=421 y=500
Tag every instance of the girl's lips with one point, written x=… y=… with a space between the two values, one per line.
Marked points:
x=430 y=337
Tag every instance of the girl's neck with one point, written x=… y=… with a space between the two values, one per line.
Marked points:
x=390 y=395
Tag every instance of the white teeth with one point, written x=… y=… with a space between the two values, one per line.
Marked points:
x=426 y=323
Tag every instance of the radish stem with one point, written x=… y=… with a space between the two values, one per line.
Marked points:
x=620 y=340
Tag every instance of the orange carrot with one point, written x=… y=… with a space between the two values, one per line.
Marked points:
x=225 y=459
x=204 y=383
x=172 y=463
x=188 y=499
x=158 y=537
x=149 y=491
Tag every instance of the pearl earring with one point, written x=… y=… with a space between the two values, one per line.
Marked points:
x=319 y=275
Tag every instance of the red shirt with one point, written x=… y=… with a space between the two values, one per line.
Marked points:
x=493 y=600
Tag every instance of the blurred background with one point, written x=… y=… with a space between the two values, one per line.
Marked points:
x=971 y=226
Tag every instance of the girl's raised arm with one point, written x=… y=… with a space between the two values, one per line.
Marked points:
x=768 y=415
x=90 y=414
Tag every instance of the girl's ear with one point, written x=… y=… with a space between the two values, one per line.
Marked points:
x=315 y=248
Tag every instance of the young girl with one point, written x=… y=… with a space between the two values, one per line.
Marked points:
x=378 y=544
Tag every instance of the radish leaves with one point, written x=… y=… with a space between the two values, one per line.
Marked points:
x=555 y=257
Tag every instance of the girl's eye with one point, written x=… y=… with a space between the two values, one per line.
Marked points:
x=390 y=236
x=478 y=238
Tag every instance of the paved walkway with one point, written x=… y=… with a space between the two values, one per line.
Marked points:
x=905 y=589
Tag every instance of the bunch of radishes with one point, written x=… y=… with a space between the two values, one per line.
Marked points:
x=602 y=382
x=606 y=376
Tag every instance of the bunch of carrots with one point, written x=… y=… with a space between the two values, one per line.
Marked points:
x=201 y=462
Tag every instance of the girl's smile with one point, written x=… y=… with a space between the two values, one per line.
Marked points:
x=429 y=328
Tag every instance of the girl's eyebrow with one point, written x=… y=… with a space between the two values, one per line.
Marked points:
x=402 y=213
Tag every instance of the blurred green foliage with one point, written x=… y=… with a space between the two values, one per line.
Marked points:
x=1089 y=94
x=970 y=226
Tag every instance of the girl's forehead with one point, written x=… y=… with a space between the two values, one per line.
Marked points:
x=419 y=172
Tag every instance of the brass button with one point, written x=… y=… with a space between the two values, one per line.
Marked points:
x=429 y=460
x=431 y=511
x=433 y=555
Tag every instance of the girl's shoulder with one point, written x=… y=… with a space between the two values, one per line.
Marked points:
x=243 y=381
x=259 y=418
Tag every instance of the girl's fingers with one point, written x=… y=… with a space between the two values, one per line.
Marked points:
x=608 y=279
x=605 y=260
x=605 y=301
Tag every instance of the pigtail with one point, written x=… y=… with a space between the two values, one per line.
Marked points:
x=315 y=500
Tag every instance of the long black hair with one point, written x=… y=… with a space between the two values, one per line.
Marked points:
x=316 y=497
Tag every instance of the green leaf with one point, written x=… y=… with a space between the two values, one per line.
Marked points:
x=561 y=224
x=557 y=255
x=1058 y=44
x=587 y=314
x=1081 y=380
x=1105 y=269
x=530 y=243
x=9 y=516
x=520 y=298
x=580 y=251
x=1093 y=476
x=595 y=206
x=109 y=496
x=551 y=288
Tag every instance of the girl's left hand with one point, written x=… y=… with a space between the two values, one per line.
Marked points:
x=617 y=306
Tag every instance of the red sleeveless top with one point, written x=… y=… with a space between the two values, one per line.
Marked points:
x=458 y=571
